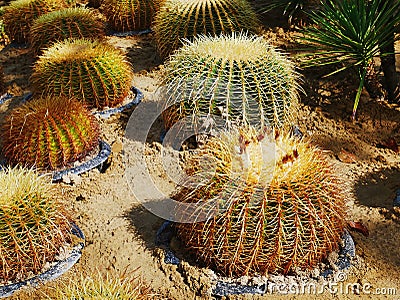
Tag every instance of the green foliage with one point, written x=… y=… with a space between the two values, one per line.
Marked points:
x=272 y=204
x=63 y=24
x=33 y=225
x=20 y=14
x=49 y=133
x=239 y=77
x=349 y=33
x=126 y=15
x=291 y=8
x=91 y=71
x=185 y=19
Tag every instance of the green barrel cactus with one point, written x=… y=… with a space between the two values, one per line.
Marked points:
x=76 y=22
x=19 y=15
x=185 y=19
x=127 y=15
x=33 y=224
x=237 y=77
x=93 y=72
x=49 y=133
x=274 y=204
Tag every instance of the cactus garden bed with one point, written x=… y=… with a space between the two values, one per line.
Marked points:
x=121 y=229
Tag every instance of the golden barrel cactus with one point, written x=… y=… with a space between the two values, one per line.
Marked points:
x=185 y=19
x=33 y=224
x=93 y=72
x=274 y=204
x=49 y=133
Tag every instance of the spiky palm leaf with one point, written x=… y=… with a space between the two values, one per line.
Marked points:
x=349 y=32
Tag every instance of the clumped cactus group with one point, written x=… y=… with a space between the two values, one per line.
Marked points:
x=237 y=77
x=274 y=204
x=76 y=22
x=49 y=133
x=185 y=19
x=91 y=71
x=33 y=224
x=129 y=15
x=19 y=15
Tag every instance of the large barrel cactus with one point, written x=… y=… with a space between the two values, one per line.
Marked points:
x=274 y=204
x=127 y=15
x=93 y=72
x=65 y=23
x=49 y=133
x=34 y=225
x=237 y=77
x=20 y=14
x=185 y=19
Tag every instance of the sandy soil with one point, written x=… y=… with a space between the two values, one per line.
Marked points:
x=120 y=232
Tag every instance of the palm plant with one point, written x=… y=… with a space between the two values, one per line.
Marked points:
x=351 y=33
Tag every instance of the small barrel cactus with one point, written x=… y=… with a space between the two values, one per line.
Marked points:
x=65 y=23
x=49 y=133
x=237 y=77
x=185 y=19
x=93 y=72
x=20 y=14
x=127 y=15
x=277 y=205
x=34 y=225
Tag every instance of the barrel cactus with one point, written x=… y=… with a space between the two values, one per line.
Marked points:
x=237 y=77
x=49 y=133
x=34 y=226
x=185 y=19
x=127 y=15
x=65 y=23
x=277 y=204
x=20 y=14
x=93 y=72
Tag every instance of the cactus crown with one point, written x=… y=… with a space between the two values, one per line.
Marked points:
x=65 y=23
x=20 y=14
x=49 y=133
x=238 y=77
x=180 y=19
x=33 y=224
x=91 y=71
x=281 y=206
x=125 y=15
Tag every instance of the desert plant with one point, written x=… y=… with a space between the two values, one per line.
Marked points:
x=91 y=71
x=352 y=32
x=20 y=14
x=4 y=39
x=33 y=224
x=274 y=204
x=65 y=23
x=127 y=15
x=49 y=133
x=184 y=19
x=99 y=286
x=237 y=77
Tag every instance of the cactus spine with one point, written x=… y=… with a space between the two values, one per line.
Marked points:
x=49 y=133
x=91 y=71
x=237 y=77
x=279 y=210
x=185 y=19
x=65 y=23
x=33 y=225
